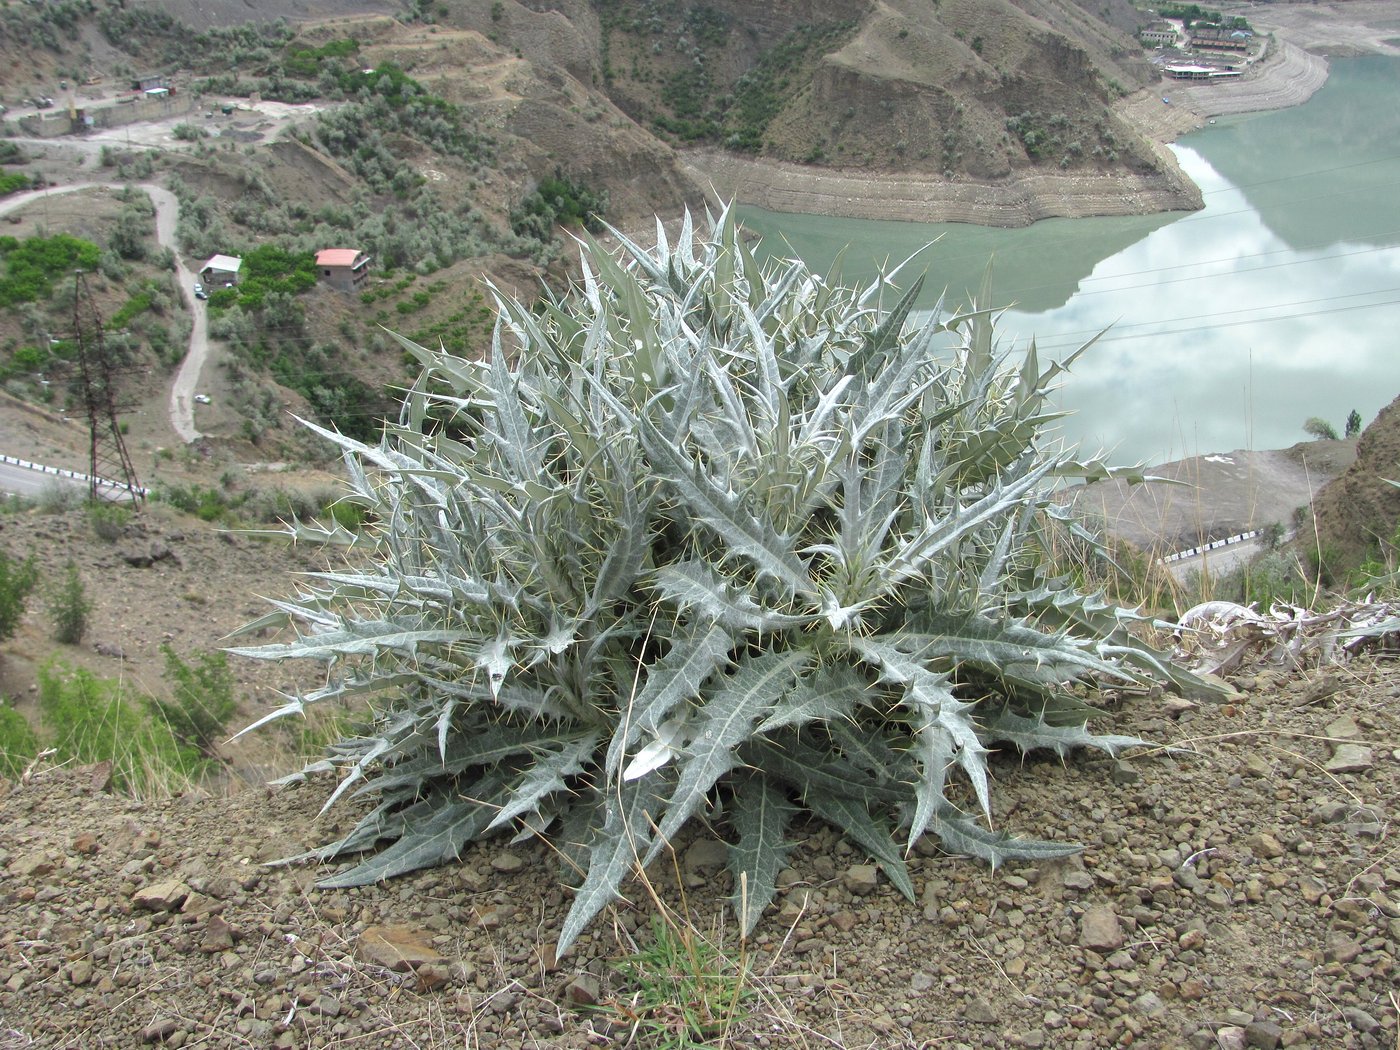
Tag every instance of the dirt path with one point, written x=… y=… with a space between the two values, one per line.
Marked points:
x=167 y=213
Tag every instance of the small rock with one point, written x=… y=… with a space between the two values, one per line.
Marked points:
x=1311 y=889
x=86 y=844
x=507 y=863
x=1350 y=758
x=1360 y=1019
x=1263 y=1034
x=218 y=935
x=1264 y=845
x=845 y=921
x=161 y=896
x=1258 y=766
x=583 y=990
x=1344 y=728
x=1100 y=930
x=80 y=973
x=1150 y=1004
x=979 y=1011
x=705 y=855
x=396 y=948
x=921 y=982
x=431 y=976
x=1191 y=940
x=159 y=1030
x=1230 y=1037
x=1329 y=813
x=1124 y=773
x=1078 y=880
x=1238 y=1018
x=32 y=866
x=861 y=879
x=325 y=1005
x=1342 y=948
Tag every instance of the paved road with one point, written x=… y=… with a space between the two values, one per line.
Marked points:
x=1218 y=562
x=32 y=480
x=22 y=481
x=167 y=215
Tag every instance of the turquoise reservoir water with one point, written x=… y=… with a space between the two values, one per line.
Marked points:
x=1227 y=327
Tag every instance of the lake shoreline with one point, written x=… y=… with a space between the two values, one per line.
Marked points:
x=1287 y=78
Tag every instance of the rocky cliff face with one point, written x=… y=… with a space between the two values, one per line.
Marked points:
x=1357 y=515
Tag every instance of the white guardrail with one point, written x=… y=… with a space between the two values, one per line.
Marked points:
x=1212 y=545
x=73 y=475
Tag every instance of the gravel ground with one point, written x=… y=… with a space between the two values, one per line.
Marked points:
x=1241 y=891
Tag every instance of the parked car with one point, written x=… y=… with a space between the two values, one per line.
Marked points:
x=202 y=399
x=199 y=292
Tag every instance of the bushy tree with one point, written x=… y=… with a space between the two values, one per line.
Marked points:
x=16 y=582
x=69 y=607
x=201 y=702
x=705 y=537
x=1319 y=429
x=1353 y=423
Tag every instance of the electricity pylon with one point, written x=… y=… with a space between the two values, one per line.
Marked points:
x=110 y=473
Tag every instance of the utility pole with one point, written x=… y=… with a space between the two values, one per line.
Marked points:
x=108 y=459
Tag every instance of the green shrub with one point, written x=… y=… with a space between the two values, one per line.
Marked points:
x=12 y=182
x=59 y=497
x=708 y=540
x=205 y=502
x=17 y=580
x=69 y=608
x=108 y=520
x=202 y=699
x=558 y=201
x=18 y=744
x=31 y=266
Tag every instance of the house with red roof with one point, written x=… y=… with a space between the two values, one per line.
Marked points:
x=345 y=269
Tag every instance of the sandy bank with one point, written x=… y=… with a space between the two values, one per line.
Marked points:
x=1018 y=201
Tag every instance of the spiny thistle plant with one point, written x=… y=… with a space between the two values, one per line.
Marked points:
x=704 y=539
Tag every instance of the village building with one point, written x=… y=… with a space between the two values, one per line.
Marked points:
x=221 y=270
x=343 y=268
x=1194 y=72
x=1158 y=34
x=1214 y=38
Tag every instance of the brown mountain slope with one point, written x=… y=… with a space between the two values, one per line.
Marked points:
x=1356 y=516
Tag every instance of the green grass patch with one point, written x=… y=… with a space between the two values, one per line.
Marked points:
x=88 y=719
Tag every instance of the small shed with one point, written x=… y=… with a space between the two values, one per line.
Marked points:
x=221 y=270
x=342 y=268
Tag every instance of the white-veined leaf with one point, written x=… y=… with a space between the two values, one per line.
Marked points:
x=759 y=814
x=456 y=821
x=676 y=677
x=629 y=812
x=722 y=723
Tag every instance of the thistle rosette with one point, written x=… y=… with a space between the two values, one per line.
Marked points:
x=704 y=538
